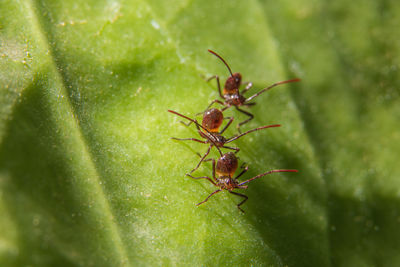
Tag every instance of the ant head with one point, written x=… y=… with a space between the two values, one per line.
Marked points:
x=212 y=119
x=227 y=165
x=232 y=84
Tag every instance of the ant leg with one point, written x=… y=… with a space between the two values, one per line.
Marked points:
x=183 y=116
x=186 y=124
x=205 y=200
x=214 y=101
x=249 y=104
x=227 y=125
x=218 y=84
x=232 y=148
x=202 y=177
x=250 y=131
x=271 y=86
x=197 y=126
x=213 y=171
x=189 y=139
x=263 y=174
x=240 y=174
x=201 y=160
x=244 y=200
x=248 y=86
x=225 y=108
x=198 y=129
x=213 y=160
x=209 y=79
x=251 y=116
x=198 y=154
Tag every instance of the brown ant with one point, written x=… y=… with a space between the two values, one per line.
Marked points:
x=225 y=169
x=231 y=94
x=212 y=120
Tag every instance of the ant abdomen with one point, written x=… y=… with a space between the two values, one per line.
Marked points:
x=212 y=119
x=227 y=165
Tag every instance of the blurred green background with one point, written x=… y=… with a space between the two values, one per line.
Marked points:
x=89 y=176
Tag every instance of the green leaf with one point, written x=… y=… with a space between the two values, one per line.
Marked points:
x=89 y=175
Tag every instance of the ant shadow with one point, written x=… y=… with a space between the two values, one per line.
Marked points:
x=285 y=201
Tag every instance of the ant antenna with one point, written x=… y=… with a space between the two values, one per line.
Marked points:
x=218 y=56
x=256 y=129
x=195 y=122
x=270 y=87
x=263 y=174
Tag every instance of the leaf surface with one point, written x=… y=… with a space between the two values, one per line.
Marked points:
x=89 y=175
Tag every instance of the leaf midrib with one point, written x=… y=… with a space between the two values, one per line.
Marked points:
x=108 y=219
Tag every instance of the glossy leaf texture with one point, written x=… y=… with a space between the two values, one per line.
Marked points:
x=89 y=175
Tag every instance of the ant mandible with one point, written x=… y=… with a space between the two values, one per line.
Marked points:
x=231 y=94
x=212 y=120
x=224 y=170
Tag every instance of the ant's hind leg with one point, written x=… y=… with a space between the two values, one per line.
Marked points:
x=205 y=200
x=189 y=139
x=202 y=177
x=232 y=148
x=246 y=168
x=227 y=125
x=212 y=103
x=200 y=156
x=202 y=159
x=244 y=200
x=190 y=122
x=210 y=78
x=186 y=124
x=251 y=116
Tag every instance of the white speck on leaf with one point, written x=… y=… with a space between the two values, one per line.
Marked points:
x=138 y=91
x=155 y=24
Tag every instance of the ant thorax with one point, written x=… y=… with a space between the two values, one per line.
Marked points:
x=227 y=183
x=234 y=99
x=214 y=138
